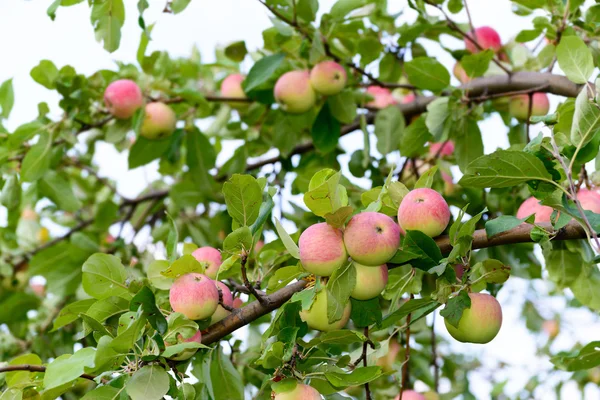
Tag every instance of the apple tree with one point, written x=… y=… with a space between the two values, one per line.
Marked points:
x=353 y=230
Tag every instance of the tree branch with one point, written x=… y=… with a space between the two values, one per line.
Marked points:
x=35 y=368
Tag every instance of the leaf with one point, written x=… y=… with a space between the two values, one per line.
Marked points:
x=340 y=285
x=358 y=377
x=324 y=194
x=11 y=192
x=131 y=325
x=575 y=59
x=104 y=276
x=427 y=73
x=325 y=131
x=501 y=224
x=365 y=313
x=184 y=265
x=71 y=312
x=339 y=218
x=179 y=5
x=438 y=117
x=262 y=71
x=243 y=197
x=106 y=392
x=477 y=64
x=225 y=377
x=468 y=142
x=504 y=169
x=172 y=239
x=412 y=142
x=200 y=158
x=424 y=247
x=7 y=97
x=287 y=241
x=237 y=241
x=108 y=17
x=103 y=309
x=145 y=299
x=586 y=288
x=343 y=106
x=60 y=191
x=389 y=126
x=426 y=179
x=45 y=73
x=68 y=367
x=145 y=151
x=236 y=51
x=148 y=383
x=586 y=358
x=586 y=120
x=454 y=308
x=339 y=337
x=37 y=160
x=341 y=8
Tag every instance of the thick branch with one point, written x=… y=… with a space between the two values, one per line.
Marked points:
x=34 y=368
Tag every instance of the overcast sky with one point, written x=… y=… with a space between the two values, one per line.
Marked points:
x=28 y=36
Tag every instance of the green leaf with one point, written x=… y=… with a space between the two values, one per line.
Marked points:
x=343 y=106
x=428 y=252
x=108 y=17
x=262 y=71
x=155 y=276
x=427 y=73
x=477 y=64
x=426 y=180
x=148 y=383
x=11 y=193
x=60 y=191
x=358 y=377
x=438 y=118
x=184 y=265
x=178 y=6
x=416 y=134
x=455 y=307
x=325 y=195
x=338 y=219
x=104 y=276
x=586 y=358
x=468 y=142
x=106 y=392
x=172 y=239
x=145 y=299
x=340 y=285
x=341 y=8
x=365 y=313
x=237 y=241
x=236 y=51
x=325 y=131
x=586 y=288
x=243 y=197
x=586 y=120
x=37 y=160
x=339 y=337
x=575 y=59
x=504 y=169
x=7 y=97
x=287 y=241
x=225 y=377
x=501 y=224
x=145 y=151
x=67 y=367
x=71 y=312
x=103 y=309
x=131 y=325
x=200 y=158
x=389 y=126
x=307 y=9
x=45 y=73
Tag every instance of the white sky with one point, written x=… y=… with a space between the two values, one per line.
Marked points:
x=28 y=36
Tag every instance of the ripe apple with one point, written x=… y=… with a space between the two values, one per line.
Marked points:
x=460 y=73
x=300 y=392
x=519 y=106
x=449 y=186
x=232 y=87
x=328 y=78
x=238 y=303
x=210 y=258
x=123 y=98
x=370 y=281
x=159 y=121
x=294 y=92
x=194 y=295
x=322 y=249
x=486 y=37
x=551 y=327
x=442 y=149
x=316 y=316
x=382 y=97
x=409 y=98
x=424 y=210
x=480 y=323
x=590 y=200
x=372 y=238
x=227 y=300
x=387 y=361
x=187 y=353
x=410 y=395
x=533 y=206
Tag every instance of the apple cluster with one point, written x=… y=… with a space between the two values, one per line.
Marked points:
x=589 y=199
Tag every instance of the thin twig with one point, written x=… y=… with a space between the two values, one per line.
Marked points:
x=221 y=302
x=263 y=300
x=469 y=16
x=559 y=33
x=365 y=344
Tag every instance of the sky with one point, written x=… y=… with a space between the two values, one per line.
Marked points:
x=28 y=35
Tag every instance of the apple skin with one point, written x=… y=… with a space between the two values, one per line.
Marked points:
x=194 y=295
x=480 y=323
x=424 y=210
x=519 y=106
x=533 y=206
x=460 y=73
x=211 y=258
x=221 y=313
x=551 y=327
x=123 y=98
x=300 y=392
x=382 y=97
x=443 y=149
x=328 y=78
x=294 y=92
x=386 y=362
x=487 y=38
x=238 y=303
x=322 y=249
x=370 y=281
x=159 y=121
x=316 y=316
x=409 y=98
x=187 y=353
x=590 y=200
x=372 y=238
x=410 y=395
x=232 y=87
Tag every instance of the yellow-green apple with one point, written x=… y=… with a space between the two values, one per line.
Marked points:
x=232 y=87
x=533 y=206
x=410 y=395
x=441 y=149
x=322 y=249
x=460 y=73
x=480 y=323
x=123 y=98
x=221 y=313
x=294 y=93
x=594 y=375
x=424 y=210
x=316 y=316
x=486 y=37
x=159 y=121
x=210 y=258
x=370 y=281
x=449 y=186
x=328 y=78
x=519 y=105
x=382 y=97
x=194 y=295
x=551 y=327
x=589 y=199
x=187 y=353
x=371 y=238
x=300 y=392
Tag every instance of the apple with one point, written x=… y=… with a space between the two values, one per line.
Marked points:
x=370 y=281
x=187 y=353
x=371 y=238
x=410 y=395
x=387 y=361
x=382 y=97
x=533 y=206
x=300 y=392
x=460 y=73
x=551 y=327
x=194 y=295
x=210 y=258
x=294 y=92
x=322 y=249
x=123 y=98
x=486 y=37
x=449 y=186
x=38 y=288
x=316 y=316
x=424 y=210
x=594 y=375
x=480 y=323
x=328 y=78
x=441 y=149
x=590 y=200
x=232 y=87
x=221 y=313
x=238 y=303
x=519 y=106
x=409 y=98
x=159 y=121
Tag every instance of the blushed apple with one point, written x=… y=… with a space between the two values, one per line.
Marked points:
x=322 y=249
x=551 y=327
x=589 y=199
x=410 y=395
x=194 y=295
x=210 y=258
x=159 y=121
x=221 y=313
x=441 y=149
x=519 y=106
x=370 y=281
x=328 y=78
x=533 y=206
x=232 y=87
x=371 y=238
x=123 y=98
x=316 y=316
x=294 y=93
x=300 y=392
x=480 y=323
x=460 y=73
x=486 y=37
x=382 y=97
x=424 y=210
